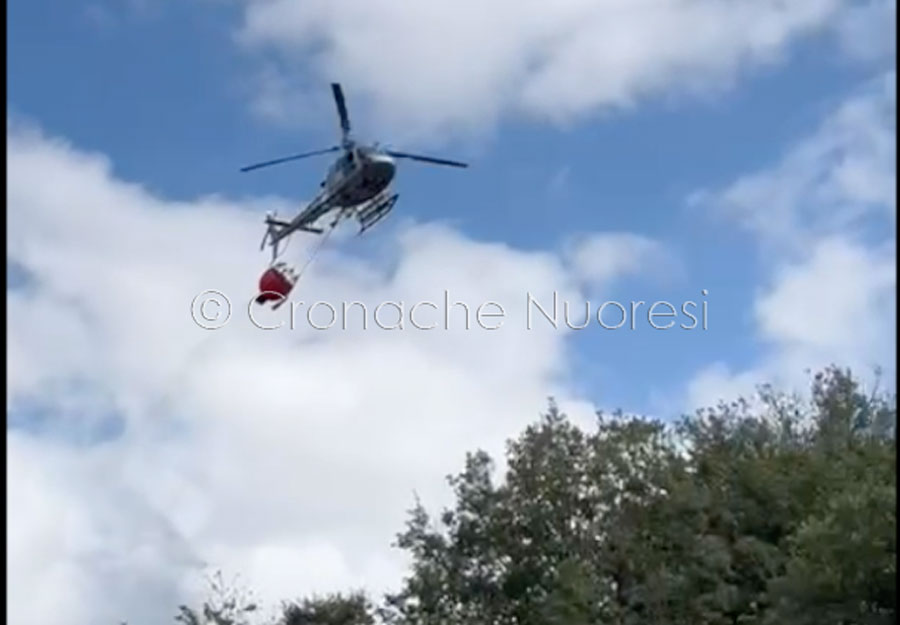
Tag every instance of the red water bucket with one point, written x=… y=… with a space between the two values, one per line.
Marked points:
x=275 y=284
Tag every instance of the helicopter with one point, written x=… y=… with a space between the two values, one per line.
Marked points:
x=358 y=183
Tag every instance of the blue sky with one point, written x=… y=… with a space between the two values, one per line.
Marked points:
x=159 y=91
x=779 y=123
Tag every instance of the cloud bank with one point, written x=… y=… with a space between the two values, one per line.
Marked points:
x=147 y=449
x=441 y=69
x=824 y=217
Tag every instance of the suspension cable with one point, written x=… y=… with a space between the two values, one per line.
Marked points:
x=320 y=245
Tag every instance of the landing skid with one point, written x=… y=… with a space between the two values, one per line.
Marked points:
x=374 y=211
x=367 y=215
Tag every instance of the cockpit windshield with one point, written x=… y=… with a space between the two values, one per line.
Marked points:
x=343 y=165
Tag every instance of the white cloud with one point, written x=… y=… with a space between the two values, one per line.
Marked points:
x=825 y=216
x=830 y=301
x=599 y=258
x=831 y=181
x=434 y=69
x=82 y=542
x=718 y=382
x=287 y=456
x=836 y=306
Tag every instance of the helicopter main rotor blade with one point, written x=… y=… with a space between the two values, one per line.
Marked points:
x=291 y=158
x=341 y=107
x=426 y=159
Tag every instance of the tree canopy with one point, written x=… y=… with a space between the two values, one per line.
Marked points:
x=774 y=511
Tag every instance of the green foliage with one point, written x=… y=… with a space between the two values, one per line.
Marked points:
x=738 y=514
x=335 y=609
x=229 y=606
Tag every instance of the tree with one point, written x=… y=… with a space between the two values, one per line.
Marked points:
x=334 y=609
x=736 y=515
x=227 y=605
